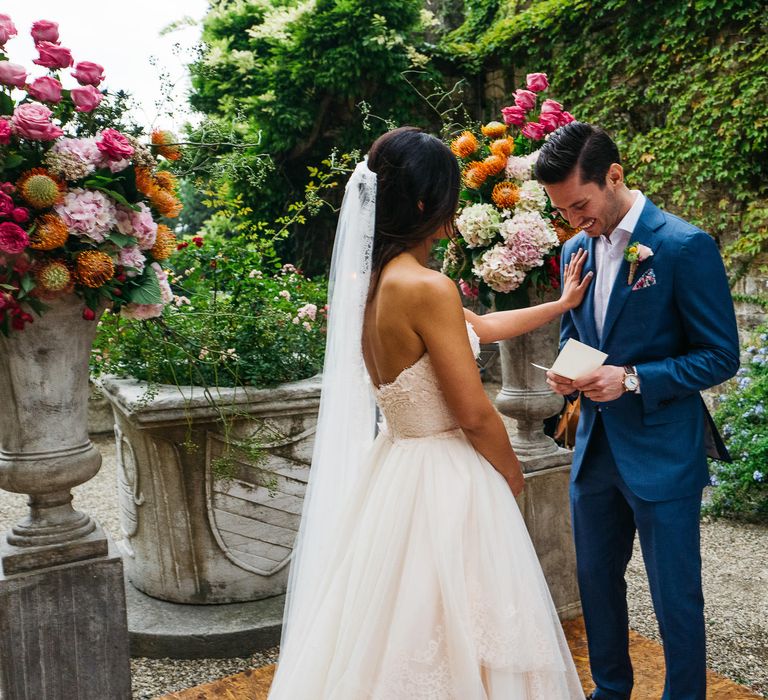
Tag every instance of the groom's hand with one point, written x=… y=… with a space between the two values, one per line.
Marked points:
x=560 y=385
x=604 y=384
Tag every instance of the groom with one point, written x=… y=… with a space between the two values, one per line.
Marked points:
x=667 y=324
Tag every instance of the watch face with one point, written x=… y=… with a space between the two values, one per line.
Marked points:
x=631 y=382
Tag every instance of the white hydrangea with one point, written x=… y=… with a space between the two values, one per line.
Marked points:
x=498 y=268
x=479 y=224
x=532 y=196
x=520 y=168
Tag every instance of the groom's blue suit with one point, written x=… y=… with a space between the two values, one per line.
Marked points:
x=640 y=461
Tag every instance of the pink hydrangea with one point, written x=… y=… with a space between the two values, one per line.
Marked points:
x=88 y=213
x=83 y=151
x=530 y=237
x=165 y=288
x=13 y=238
x=141 y=312
x=138 y=224
x=497 y=267
x=133 y=259
x=307 y=311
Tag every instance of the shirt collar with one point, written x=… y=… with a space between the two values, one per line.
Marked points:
x=631 y=218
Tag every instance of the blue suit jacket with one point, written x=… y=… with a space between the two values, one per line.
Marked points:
x=680 y=333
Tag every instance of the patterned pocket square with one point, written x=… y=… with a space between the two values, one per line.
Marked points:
x=647 y=279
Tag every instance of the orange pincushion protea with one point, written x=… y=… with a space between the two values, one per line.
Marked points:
x=505 y=195
x=464 y=145
x=503 y=147
x=475 y=174
x=495 y=164
x=50 y=233
x=164 y=143
x=166 y=204
x=93 y=269
x=166 y=180
x=494 y=130
x=563 y=230
x=145 y=181
x=165 y=243
x=52 y=279
x=40 y=189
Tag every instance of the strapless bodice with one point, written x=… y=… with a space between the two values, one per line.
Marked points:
x=413 y=404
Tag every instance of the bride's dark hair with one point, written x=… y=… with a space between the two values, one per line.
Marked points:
x=417 y=191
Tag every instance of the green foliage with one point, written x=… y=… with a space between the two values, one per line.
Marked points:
x=740 y=489
x=683 y=89
x=292 y=76
x=233 y=323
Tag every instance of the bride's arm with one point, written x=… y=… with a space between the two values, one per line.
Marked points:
x=438 y=319
x=507 y=324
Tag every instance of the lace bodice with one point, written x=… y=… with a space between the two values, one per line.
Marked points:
x=413 y=404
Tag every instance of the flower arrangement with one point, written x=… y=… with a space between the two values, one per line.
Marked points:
x=80 y=194
x=509 y=234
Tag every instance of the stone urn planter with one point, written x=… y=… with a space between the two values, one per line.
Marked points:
x=203 y=522
x=62 y=600
x=526 y=398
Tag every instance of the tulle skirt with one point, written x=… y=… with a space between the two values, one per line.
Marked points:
x=437 y=594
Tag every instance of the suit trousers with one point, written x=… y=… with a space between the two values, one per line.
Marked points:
x=606 y=515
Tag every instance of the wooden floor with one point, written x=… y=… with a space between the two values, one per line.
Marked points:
x=647 y=659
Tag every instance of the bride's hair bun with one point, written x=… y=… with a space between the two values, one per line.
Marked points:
x=417 y=190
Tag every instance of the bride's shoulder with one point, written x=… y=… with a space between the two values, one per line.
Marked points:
x=420 y=284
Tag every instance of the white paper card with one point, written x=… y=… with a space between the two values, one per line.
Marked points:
x=575 y=360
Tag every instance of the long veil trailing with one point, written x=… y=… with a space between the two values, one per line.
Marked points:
x=346 y=422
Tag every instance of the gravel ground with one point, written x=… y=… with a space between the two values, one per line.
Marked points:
x=735 y=560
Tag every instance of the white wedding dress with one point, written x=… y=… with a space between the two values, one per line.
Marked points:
x=438 y=593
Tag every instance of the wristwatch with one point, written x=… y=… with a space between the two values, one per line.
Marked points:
x=631 y=381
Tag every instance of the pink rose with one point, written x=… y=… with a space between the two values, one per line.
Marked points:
x=550 y=106
x=46 y=89
x=468 y=290
x=6 y=204
x=5 y=132
x=20 y=215
x=33 y=121
x=86 y=98
x=525 y=99
x=566 y=118
x=13 y=238
x=113 y=145
x=88 y=73
x=550 y=121
x=12 y=74
x=53 y=55
x=7 y=29
x=536 y=81
x=513 y=115
x=534 y=131
x=44 y=30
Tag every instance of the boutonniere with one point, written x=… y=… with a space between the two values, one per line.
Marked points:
x=634 y=254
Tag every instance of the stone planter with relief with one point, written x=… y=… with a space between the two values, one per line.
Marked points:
x=195 y=532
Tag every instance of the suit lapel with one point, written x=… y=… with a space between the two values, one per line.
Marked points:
x=586 y=311
x=650 y=220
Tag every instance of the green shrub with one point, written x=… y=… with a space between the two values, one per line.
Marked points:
x=234 y=321
x=740 y=489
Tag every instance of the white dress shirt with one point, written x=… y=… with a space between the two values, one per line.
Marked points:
x=609 y=253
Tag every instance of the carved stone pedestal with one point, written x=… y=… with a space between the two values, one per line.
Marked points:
x=63 y=631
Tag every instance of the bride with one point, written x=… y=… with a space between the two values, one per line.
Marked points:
x=413 y=575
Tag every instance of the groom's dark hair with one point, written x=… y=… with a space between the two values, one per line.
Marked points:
x=576 y=145
x=417 y=191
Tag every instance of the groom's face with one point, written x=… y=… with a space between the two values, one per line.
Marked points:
x=587 y=206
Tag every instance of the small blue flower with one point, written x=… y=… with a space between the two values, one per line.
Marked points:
x=758 y=475
x=714 y=481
